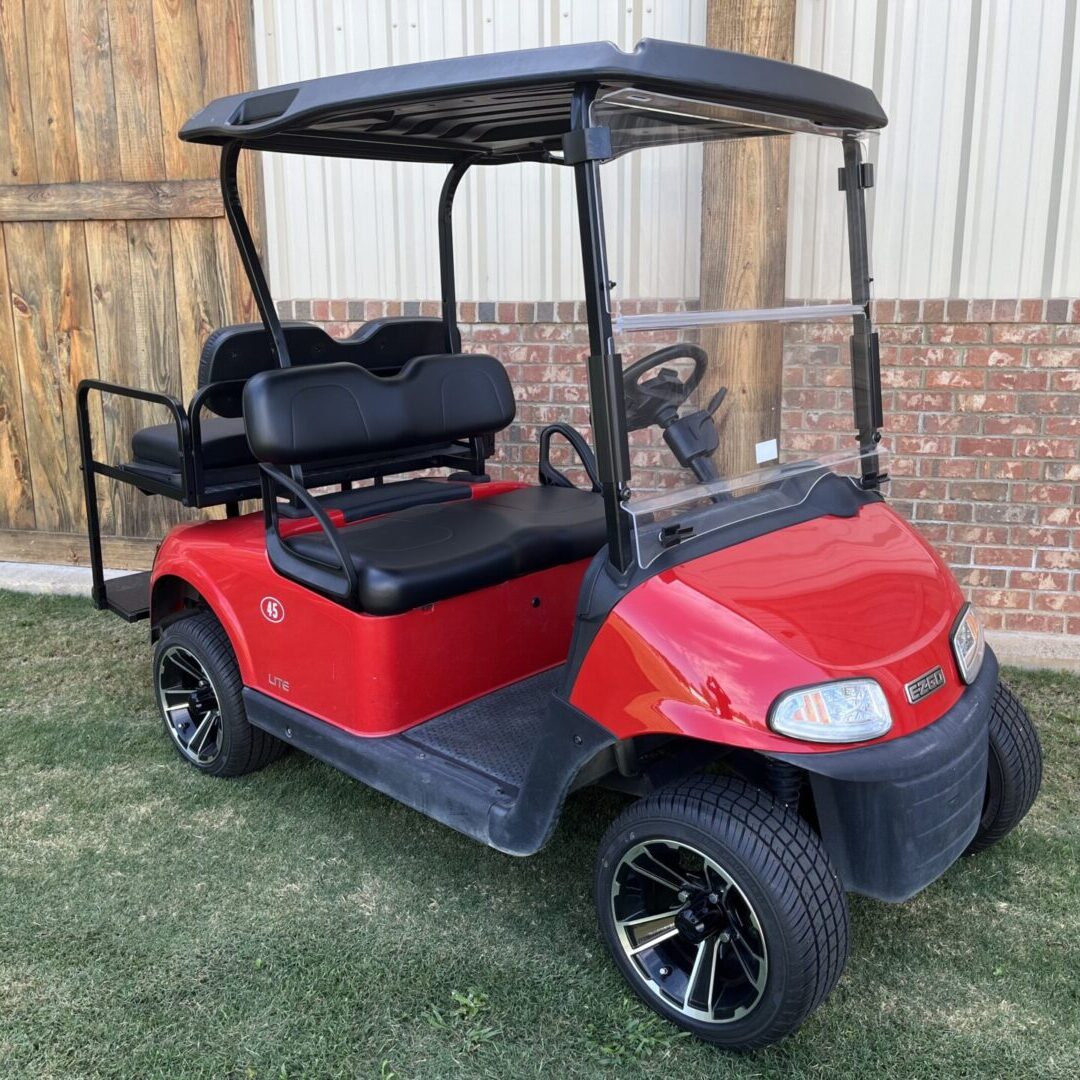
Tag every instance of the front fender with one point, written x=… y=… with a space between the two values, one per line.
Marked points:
x=704 y=648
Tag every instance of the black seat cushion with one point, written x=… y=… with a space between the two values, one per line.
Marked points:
x=224 y=444
x=429 y=553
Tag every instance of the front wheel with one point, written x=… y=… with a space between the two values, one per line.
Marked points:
x=1013 y=772
x=722 y=910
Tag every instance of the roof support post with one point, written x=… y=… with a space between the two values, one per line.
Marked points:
x=855 y=177
x=604 y=363
x=249 y=256
x=447 y=276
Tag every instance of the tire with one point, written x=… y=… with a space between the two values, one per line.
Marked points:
x=1014 y=771
x=781 y=905
x=200 y=698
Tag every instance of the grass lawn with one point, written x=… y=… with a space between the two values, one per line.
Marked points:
x=294 y=923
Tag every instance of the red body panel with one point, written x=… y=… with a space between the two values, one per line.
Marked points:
x=705 y=648
x=702 y=649
x=372 y=675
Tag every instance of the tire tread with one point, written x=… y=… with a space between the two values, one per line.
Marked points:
x=1016 y=742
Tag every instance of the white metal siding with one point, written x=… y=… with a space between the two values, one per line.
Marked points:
x=367 y=229
x=978 y=173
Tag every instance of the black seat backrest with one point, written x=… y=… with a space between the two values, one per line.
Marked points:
x=298 y=415
x=382 y=346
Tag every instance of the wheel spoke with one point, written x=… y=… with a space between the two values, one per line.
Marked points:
x=739 y=945
x=186 y=667
x=661 y=874
x=202 y=732
x=177 y=708
x=176 y=690
x=640 y=920
x=653 y=942
x=712 y=975
x=717 y=882
x=704 y=967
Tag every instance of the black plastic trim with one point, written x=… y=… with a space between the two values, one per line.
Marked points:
x=451 y=792
x=896 y=815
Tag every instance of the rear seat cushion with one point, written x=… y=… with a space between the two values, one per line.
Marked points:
x=224 y=444
x=421 y=555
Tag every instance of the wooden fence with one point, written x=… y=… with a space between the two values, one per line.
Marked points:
x=115 y=259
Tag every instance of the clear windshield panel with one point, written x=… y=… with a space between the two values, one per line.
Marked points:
x=661 y=521
x=733 y=319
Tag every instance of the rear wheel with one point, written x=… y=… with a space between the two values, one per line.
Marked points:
x=200 y=695
x=722 y=910
x=1014 y=770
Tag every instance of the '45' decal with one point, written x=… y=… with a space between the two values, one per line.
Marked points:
x=272 y=610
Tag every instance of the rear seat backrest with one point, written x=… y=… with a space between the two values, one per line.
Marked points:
x=305 y=414
x=382 y=346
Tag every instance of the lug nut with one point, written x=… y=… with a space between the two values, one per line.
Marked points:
x=665 y=972
x=714 y=898
x=683 y=896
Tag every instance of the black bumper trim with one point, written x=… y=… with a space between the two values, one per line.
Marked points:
x=896 y=815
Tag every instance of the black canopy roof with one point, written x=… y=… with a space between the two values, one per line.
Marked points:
x=514 y=105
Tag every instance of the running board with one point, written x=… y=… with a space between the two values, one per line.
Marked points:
x=496 y=769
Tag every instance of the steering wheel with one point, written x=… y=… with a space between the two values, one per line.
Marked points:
x=657 y=400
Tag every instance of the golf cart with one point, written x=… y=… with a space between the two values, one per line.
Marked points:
x=777 y=667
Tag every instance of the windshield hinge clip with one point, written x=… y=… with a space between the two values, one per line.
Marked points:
x=865 y=175
x=670 y=535
x=586 y=144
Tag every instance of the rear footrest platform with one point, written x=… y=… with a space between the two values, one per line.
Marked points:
x=128 y=596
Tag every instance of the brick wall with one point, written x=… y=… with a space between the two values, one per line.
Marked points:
x=982 y=407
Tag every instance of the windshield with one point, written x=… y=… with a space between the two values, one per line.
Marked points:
x=734 y=331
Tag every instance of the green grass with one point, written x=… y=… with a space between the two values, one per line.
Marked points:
x=157 y=923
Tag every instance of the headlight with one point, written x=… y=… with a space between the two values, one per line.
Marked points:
x=852 y=710
x=968 y=643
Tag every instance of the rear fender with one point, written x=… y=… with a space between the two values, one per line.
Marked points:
x=177 y=580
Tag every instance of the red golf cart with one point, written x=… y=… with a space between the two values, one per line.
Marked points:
x=778 y=667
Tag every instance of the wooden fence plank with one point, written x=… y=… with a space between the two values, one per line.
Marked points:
x=201 y=293
x=154 y=365
x=111 y=200
x=16 y=496
x=138 y=111
x=121 y=552
x=182 y=85
x=97 y=133
x=43 y=381
x=50 y=91
x=18 y=160
x=226 y=34
x=118 y=352
x=74 y=345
